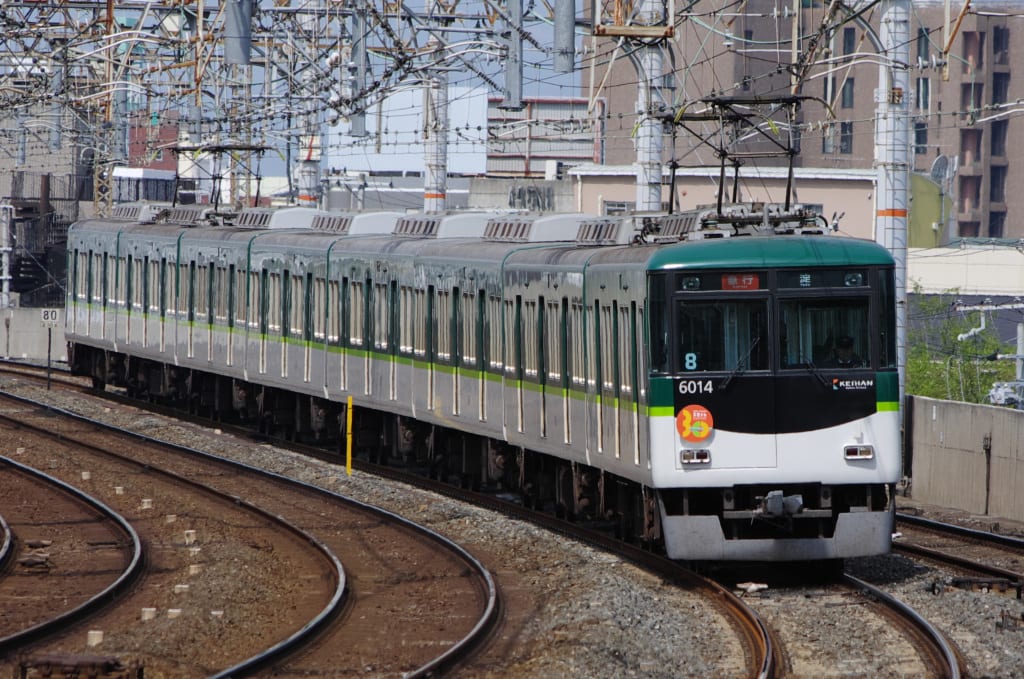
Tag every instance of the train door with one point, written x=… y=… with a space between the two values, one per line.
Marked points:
x=455 y=335
x=392 y=312
x=125 y=295
x=538 y=364
x=308 y=328
x=431 y=340
x=607 y=386
x=627 y=356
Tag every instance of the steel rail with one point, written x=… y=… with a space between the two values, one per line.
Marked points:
x=108 y=594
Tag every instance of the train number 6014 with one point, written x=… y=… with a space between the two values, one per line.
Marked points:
x=695 y=387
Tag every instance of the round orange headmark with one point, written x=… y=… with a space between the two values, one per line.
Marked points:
x=694 y=423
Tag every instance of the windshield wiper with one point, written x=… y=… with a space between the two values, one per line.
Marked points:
x=742 y=365
x=811 y=368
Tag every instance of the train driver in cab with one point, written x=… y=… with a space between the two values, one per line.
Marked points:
x=843 y=356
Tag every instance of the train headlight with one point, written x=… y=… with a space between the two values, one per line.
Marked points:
x=860 y=452
x=691 y=282
x=853 y=280
x=695 y=456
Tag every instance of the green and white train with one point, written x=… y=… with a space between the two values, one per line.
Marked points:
x=669 y=376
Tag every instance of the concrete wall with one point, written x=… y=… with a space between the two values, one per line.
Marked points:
x=968 y=457
x=23 y=336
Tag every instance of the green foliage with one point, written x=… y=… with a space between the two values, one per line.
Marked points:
x=941 y=366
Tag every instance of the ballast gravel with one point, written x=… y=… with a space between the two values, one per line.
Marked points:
x=579 y=612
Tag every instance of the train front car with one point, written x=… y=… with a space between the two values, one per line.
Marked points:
x=774 y=398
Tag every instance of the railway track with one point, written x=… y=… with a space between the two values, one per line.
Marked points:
x=71 y=554
x=448 y=603
x=760 y=653
x=996 y=561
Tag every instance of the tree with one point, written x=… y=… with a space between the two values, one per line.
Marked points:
x=939 y=364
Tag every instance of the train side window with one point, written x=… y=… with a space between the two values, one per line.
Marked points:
x=105 y=286
x=480 y=328
x=264 y=301
x=532 y=338
x=407 y=322
x=455 y=329
x=81 y=275
x=153 y=286
x=356 y=300
x=627 y=350
x=444 y=326
x=333 y=312
x=231 y=296
x=345 y=310
x=297 y=306
x=256 y=300
x=554 y=330
x=381 y=314
x=120 y=283
x=181 y=290
x=577 y=338
x=139 y=285
x=202 y=294
x=607 y=342
x=219 y=288
x=241 y=298
x=468 y=326
x=319 y=309
x=420 y=324
x=274 y=305
x=512 y=348
x=283 y=309
x=494 y=334
x=124 y=283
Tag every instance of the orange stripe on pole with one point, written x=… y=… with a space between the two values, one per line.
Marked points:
x=892 y=213
x=433 y=195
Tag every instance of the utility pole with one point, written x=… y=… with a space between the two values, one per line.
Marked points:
x=1017 y=386
x=892 y=149
x=649 y=107
x=435 y=120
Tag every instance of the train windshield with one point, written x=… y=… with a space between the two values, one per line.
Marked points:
x=825 y=332
x=724 y=335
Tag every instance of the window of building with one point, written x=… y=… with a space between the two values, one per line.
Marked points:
x=920 y=138
x=970 y=146
x=1001 y=44
x=848 y=88
x=996 y=224
x=846 y=137
x=997 y=184
x=970 y=97
x=973 y=51
x=828 y=139
x=1000 y=87
x=968 y=229
x=999 y=137
x=849 y=40
x=923 y=45
x=924 y=94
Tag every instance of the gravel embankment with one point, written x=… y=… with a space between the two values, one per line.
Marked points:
x=581 y=612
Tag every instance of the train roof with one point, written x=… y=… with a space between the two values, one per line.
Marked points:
x=769 y=251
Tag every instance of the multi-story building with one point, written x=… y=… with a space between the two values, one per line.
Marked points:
x=960 y=104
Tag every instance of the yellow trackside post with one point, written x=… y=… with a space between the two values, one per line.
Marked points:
x=348 y=437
